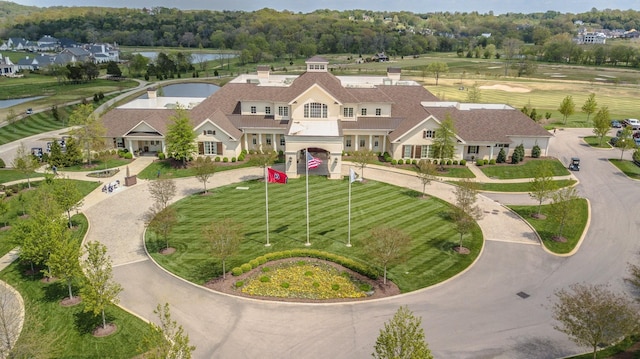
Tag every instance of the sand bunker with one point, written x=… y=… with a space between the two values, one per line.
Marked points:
x=505 y=88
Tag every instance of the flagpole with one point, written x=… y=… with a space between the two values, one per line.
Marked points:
x=307 y=177
x=266 y=193
x=349 y=230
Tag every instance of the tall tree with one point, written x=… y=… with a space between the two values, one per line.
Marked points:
x=511 y=49
x=542 y=185
x=138 y=64
x=205 y=169
x=168 y=339
x=591 y=315
x=64 y=261
x=68 y=196
x=99 y=289
x=567 y=108
x=426 y=173
x=473 y=93
x=564 y=206
x=362 y=157
x=438 y=68
x=88 y=131
x=162 y=191
x=467 y=211
x=625 y=141
x=444 y=140
x=590 y=105
x=402 y=338
x=181 y=137
x=225 y=237
x=387 y=246
x=601 y=123
x=25 y=162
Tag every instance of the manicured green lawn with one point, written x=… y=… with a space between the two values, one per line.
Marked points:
x=98 y=165
x=431 y=259
x=627 y=167
x=528 y=169
x=68 y=329
x=547 y=229
x=516 y=187
x=167 y=170
x=448 y=171
x=594 y=141
x=9 y=175
x=18 y=208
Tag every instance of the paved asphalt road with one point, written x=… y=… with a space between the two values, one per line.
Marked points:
x=475 y=315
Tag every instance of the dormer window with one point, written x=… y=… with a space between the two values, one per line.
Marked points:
x=315 y=110
x=429 y=134
x=267 y=110
x=378 y=112
x=363 y=112
x=209 y=132
x=254 y=110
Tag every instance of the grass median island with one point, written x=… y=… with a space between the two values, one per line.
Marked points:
x=431 y=257
x=547 y=229
x=527 y=169
x=627 y=167
x=67 y=331
x=516 y=187
x=594 y=141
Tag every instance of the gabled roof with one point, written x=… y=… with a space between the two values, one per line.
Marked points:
x=120 y=121
x=222 y=121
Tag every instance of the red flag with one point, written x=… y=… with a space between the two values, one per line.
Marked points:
x=276 y=176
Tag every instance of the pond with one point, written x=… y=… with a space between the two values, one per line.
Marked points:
x=196 y=57
x=17 y=101
x=186 y=90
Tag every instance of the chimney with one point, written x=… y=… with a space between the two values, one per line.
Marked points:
x=152 y=92
x=263 y=71
x=393 y=73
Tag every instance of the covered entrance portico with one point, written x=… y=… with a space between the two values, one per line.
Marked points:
x=329 y=151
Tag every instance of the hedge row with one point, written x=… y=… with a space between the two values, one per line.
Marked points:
x=354 y=265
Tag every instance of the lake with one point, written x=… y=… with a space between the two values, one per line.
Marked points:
x=17 y=101
x=196 y=57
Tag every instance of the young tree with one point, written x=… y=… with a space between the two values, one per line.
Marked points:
x=426 y=173
x=563 y=208
x=473 y=94
x=625 y=141
x=205 y=169
x=542 y=186
x=590 y=105
x=25 y=162
x=362 y=157
x=99 y=289
x=89 y=131
x=168 y=339
x=591 y=315
x=387 y=246
x=67 y=195
x=162 y=191
x=502 y=156
x=567 y=108
x=466 y=211
x=444 y=140
x=180 y=137
x=437 y=68
x=56 y=157
x=161 y=221
x=64 y=261
x=601 y=123
x=225 y=237
x=402 y=338
x=73 y=154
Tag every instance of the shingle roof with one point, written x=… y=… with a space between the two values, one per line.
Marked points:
x=120 y=121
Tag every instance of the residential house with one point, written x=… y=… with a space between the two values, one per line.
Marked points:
x=16 y=43
x=329 y=115
x=48 y=43
x=7 y=68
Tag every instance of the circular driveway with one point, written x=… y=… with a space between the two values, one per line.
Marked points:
x=478 y=314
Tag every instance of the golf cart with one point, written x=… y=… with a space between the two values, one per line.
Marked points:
x=575 y=164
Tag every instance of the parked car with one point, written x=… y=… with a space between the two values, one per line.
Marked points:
x=633 y=123
x=613 y=141
x=616 y=124
x=29 y=111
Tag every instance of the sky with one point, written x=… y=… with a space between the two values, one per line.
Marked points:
x=305 y=6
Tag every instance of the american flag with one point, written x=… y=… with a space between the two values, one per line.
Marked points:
x=312 y=162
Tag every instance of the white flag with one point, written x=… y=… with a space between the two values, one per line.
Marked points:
x=353 y=176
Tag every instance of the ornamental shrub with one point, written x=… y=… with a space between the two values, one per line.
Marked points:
x=161 y=156
x=401 y=161
x=225 y=160
x=455 y=162
x=442 y=162
x=246 y=267
x=449 y=162
x=335 y=287
x=239 y=283
x=233 y=159
x=535 y=151
x=254 y=263
x=236 y=271
x=394 y=162
x=284 y=285
x=502 y=156
x=492 y=161
x=217 y=159
x=414 y=162
x=261 y=260
x=479 y=162
x=463 y=162
x=486 y=162
x=265 y=279
x=241 y=157
x=128 y=155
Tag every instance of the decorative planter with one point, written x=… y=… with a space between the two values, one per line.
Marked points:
x=130 y=180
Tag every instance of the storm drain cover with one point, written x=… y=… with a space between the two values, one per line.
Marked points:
x=523 y=295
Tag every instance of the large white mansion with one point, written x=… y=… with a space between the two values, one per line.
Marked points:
x=330 y=114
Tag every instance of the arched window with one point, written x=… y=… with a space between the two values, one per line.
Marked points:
x=315 y=110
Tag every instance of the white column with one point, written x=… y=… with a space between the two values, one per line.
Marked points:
x=274 y=140
x=384 y=143
x=370 y=142
x=246 y=141
x=356 y=142
x=130 y=145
